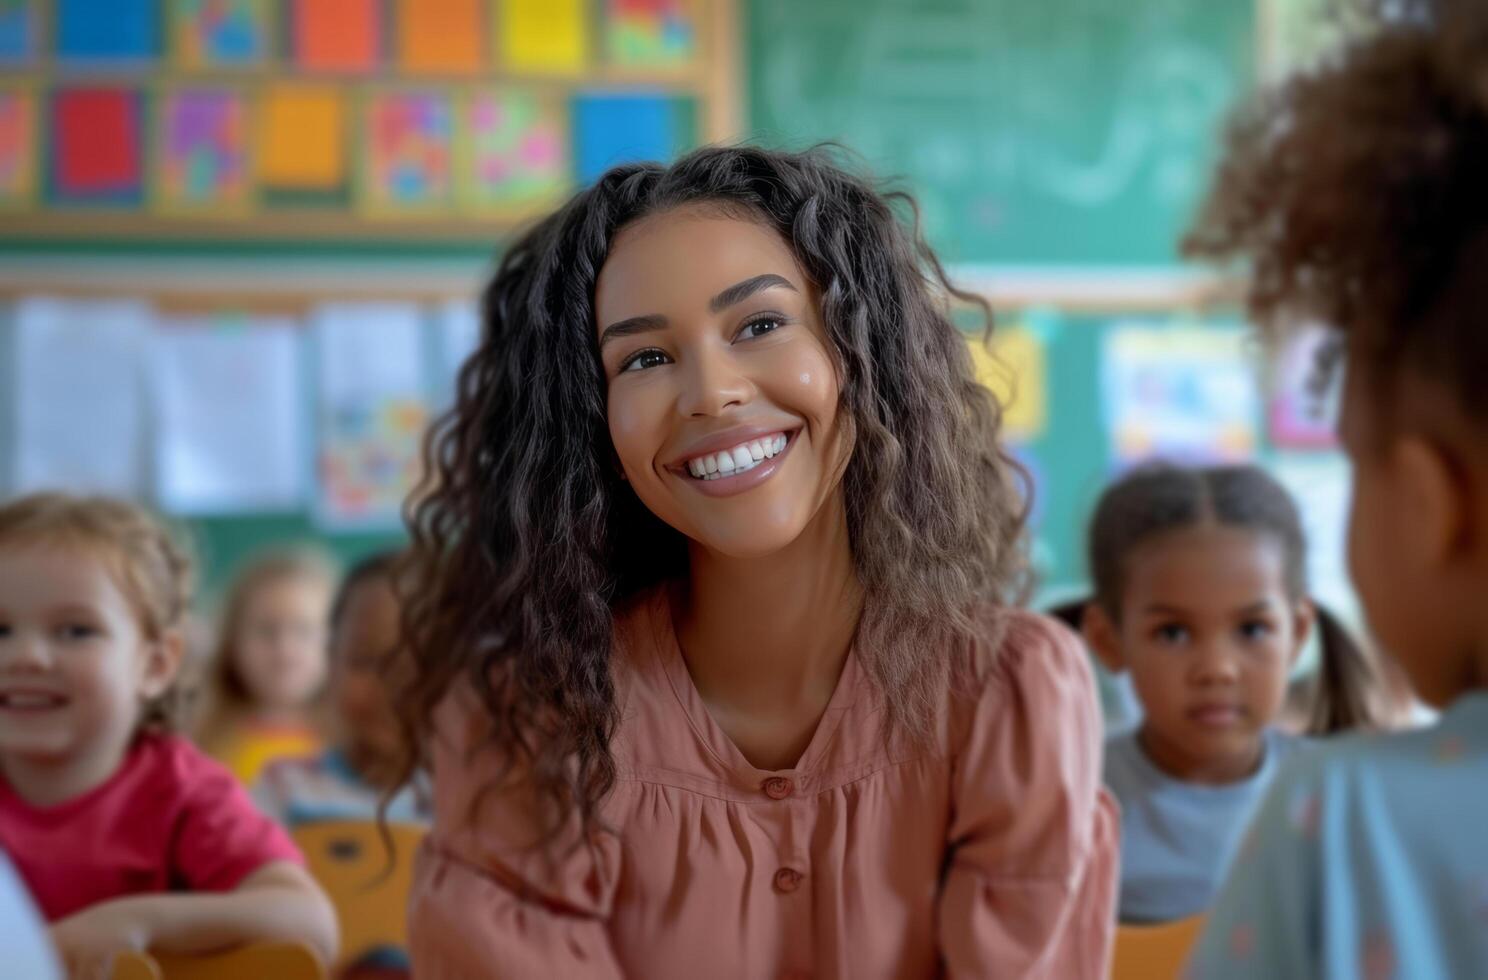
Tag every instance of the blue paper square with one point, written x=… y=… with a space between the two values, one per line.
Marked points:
x=108 y=30
x=615 y=129
x=17 y=31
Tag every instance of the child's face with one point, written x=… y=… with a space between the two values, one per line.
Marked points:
x=712 y=342
x=362 y=652
x=281 y=647
x=75 y=668
x=1209 y=635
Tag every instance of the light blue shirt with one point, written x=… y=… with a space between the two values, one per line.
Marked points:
x=1369 y=858
x=1176 y=837
x=24 y=942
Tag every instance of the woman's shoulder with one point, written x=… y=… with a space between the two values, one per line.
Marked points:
x=1025 y=670
x=1016 y=648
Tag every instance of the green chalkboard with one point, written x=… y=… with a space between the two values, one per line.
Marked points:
x=1031 y=131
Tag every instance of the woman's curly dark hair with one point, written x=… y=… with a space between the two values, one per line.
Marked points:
x=525 y=537
x=1356 y=189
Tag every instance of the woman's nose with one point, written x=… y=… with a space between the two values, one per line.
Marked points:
x=712 y=384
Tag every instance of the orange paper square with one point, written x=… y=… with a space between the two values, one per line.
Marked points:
x=304 y=137
x=337 y=35
x=441 y=36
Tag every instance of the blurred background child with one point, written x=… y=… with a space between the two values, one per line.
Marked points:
x=109 y=818
x=1201 y=596
x=348 y=779
x=266 y=675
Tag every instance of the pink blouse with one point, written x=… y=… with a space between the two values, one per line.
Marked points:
x=989 y=852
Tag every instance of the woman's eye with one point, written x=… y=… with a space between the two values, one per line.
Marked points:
x=643 y=359
x=760 y=327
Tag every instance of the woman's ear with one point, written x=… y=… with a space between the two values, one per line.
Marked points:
x=1102 y=637
x=162 y=663
x=1304 y=617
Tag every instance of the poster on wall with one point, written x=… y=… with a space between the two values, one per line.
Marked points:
x=1303 y=409
x=79 y=395
x=1183 y=392
x=229 y=436
x=371 y=411
x=1016 y=370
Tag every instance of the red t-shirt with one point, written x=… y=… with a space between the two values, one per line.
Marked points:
x=170 y=819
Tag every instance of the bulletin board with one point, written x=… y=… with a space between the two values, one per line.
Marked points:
x=337 y=120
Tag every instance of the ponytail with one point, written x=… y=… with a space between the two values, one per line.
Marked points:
x=1341 y=696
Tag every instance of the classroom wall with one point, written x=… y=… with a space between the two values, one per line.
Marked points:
x=1055 y=151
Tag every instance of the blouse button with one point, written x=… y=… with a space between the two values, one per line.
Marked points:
x=787 y=880
x=778 y=787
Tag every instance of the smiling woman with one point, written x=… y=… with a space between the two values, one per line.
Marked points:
x=710 y=607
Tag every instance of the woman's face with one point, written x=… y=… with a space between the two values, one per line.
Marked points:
x=722 y=394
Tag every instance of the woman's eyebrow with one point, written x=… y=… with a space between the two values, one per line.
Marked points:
x=740 y=291
x=631 y=326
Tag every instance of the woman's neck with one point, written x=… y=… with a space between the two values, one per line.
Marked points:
x=44 y=781
x=767 y=637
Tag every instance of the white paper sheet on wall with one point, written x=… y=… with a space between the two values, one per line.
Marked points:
x=372 y=411
x=79 y=395
x=228 y=427
x=1184 y=393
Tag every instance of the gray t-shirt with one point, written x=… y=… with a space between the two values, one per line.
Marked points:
x=1177 y=837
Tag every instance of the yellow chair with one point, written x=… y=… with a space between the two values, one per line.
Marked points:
x=1155 y=952
x=368 y=887
x=259 y=961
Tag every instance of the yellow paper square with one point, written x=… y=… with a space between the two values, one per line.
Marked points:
x=1016 y=371
x=544 y=36
x=304 y=137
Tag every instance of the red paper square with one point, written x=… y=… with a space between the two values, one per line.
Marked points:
x=97 y=134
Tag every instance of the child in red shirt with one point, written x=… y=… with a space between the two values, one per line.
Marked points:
x=109 y=818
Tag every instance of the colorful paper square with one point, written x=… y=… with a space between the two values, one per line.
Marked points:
x=544 y=36
x=96 y=143
x=17 y=147
x=303 y=146
x=17 y=31
x=337 y=35
x=615 y=129
x=221 y=33
x=204 y=149
x=107 y=30
x=441 y=37
x=651 y=33
x=514 y=150
x=409 y=151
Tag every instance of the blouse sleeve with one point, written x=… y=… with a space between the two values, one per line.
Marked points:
x=485 y=901
x=1262 y=922
x=1031 y=886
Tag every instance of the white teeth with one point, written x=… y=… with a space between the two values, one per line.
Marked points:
x=730 y=462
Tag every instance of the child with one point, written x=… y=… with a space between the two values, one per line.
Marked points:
x=1201 y=595
x=269 y=665
x=127 y=836
x=1357 y=193
x=709 y=604
x=347 y=781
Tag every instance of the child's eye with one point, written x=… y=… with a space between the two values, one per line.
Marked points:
x=1255 y=630
x=4 y=630
x=1171 y=633
x=76 y=631
x=759 y=327
x=643 y=359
